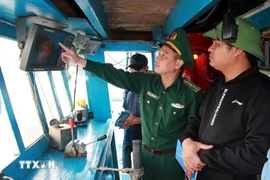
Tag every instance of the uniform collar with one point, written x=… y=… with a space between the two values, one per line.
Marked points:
x=176 y=83
x=158 y=78
x=241 y=76
x=179 y=81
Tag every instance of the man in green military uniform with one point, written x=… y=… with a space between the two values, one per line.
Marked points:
x=166 y=102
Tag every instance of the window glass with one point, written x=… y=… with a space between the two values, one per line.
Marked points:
x=9 y=150
x=61 y=92
x=20 y=92
x=46 y=96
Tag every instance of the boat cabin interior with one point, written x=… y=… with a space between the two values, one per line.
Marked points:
x=43 y=108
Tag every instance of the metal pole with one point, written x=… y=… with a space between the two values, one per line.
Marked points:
x=137 y=154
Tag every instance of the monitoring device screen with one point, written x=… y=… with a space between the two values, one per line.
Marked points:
x=46 y=49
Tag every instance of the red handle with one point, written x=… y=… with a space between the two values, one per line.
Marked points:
x=71 y=122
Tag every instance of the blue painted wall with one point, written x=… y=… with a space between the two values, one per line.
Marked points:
x=12 y=9
x=95 y=13
x=97 y=91
x=7 y=30
x=141 y=46
x=261 y=19
x=31 y=154
x=185 y=12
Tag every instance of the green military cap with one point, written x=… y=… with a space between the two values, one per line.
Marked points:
x=179 y=42
x=248 y=37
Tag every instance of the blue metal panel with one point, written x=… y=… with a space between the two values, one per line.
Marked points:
x=157 y=34
x=17 y=8
x=14 y=171
x=40 y=108
x=57 y=15
x=64 y=75
x=7 y=30
x=261 y=19
x=10 y=113
x=1 y=108
x=141 y=46
x=75 y=24
x=58 y=105
x=12 y=9
x=185 y=12
x=105 y=160
x=114 y=156
x=97 y=91
x=95 y=13
x=89 y=107
x=76 y=168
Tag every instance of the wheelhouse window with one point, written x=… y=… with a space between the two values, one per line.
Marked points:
x=9 y=150
x=61 y=93
x=46 y=96
x=20 y=91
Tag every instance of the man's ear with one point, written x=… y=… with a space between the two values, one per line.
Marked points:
x=179 y=63
x=146 y=68
x=238 y=52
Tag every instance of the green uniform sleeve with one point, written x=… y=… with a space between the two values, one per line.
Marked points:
x=117 y=77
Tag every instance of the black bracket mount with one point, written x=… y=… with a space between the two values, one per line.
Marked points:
x=21 y=29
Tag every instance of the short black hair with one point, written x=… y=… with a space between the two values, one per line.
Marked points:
x=253 y=60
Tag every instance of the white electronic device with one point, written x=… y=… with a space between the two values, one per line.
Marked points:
x=80 y=116
x=60 y=136
x=87 y=45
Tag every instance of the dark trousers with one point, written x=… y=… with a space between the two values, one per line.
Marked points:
x=161 y=167
x=126 y=155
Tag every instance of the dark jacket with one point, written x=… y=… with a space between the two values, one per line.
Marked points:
x=235 y=118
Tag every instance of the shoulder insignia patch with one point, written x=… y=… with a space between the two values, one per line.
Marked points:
x=150 y=73
x=192 y=86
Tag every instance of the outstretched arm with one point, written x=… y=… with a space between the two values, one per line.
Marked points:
x=117 y=77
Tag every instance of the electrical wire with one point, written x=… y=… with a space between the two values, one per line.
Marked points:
x=75 y=87
x=6 y=22
x=262 y=41
x=116 y=62
x=208 y=15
